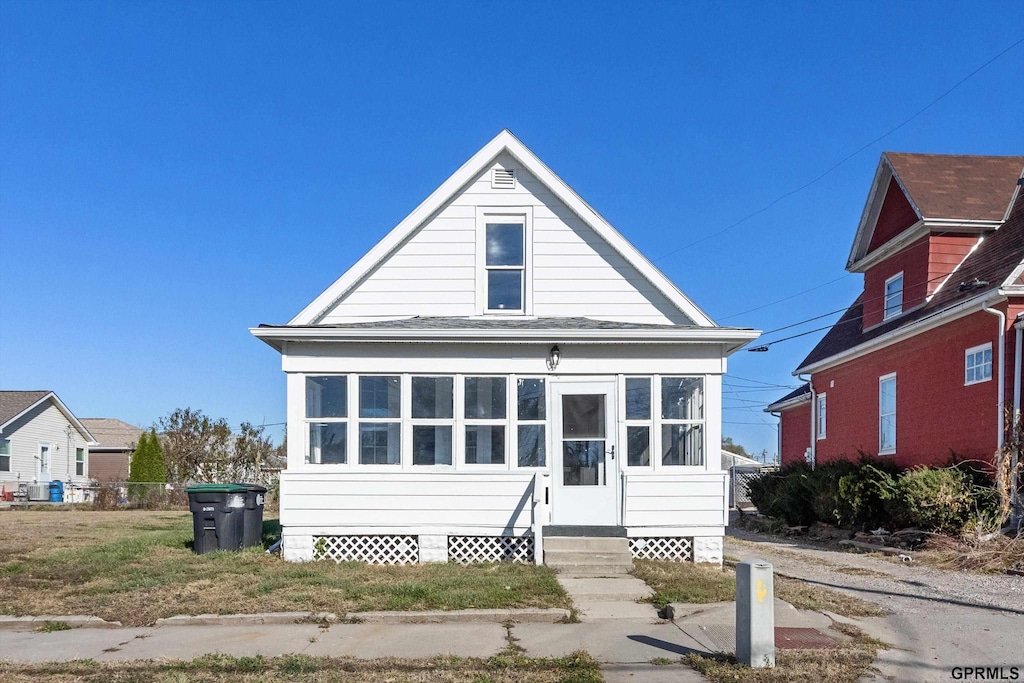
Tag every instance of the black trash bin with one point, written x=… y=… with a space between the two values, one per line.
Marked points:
x=255 y=496
x=218 y=516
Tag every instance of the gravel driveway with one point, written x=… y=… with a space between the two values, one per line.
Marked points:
x=939 y=619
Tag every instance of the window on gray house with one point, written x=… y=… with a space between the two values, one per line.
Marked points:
x=531 y=413
x=380 y=426
x=682 y=420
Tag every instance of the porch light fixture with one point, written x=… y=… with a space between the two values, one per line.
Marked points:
x=554 y=356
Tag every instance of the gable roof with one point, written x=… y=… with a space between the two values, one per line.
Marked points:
x=968 y=192
x=14 y=404
x=503 y=142
x=995 y=262
x=113 y=433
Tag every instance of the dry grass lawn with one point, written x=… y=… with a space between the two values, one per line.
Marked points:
x=215 y=668
x=694 y=583
x=137 y=566
x=846 y=664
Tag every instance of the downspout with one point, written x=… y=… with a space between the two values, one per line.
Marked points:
x=1002 y=374
x=778 y=437
x=1015 y=506
x=814 y=425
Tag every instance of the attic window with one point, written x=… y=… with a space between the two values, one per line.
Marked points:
x=503 y=179
x=893 y=296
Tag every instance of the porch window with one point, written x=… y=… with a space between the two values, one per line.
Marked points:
x=5 y=455
x=682 y=421
x=505 y=266
x=485 y=420
x=380 y=425
x=433 y=420
x=327 y=419
x=531 y=413
x=80 y=462
x=638 y=421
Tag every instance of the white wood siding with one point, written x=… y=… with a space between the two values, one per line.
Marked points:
x=575 y=273
x=680 y=500
x=45 y=424
x=390 y=500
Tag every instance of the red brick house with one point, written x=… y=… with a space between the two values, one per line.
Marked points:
x=927 y=358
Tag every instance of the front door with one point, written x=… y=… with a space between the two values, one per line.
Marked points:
x=44 y=462
x=585 y=470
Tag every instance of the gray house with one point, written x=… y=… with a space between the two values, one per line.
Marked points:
x=41 y=440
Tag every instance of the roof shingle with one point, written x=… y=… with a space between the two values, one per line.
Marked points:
x=13 y=403
x=958 y=186
x=112 y=433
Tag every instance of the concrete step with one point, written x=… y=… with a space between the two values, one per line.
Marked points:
x=593 y=569
x=595 y=544
x=552 y=557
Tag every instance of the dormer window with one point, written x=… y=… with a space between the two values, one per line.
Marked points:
x=893 y=296
x=505 y=266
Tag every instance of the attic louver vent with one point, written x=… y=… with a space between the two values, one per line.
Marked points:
x=503 y=179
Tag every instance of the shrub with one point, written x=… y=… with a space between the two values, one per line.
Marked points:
x=868 y=492
x=826 y=502
x=933 y=499
x=785 y=494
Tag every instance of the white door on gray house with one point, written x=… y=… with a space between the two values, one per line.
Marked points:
x=585 y=469
x=44 y=462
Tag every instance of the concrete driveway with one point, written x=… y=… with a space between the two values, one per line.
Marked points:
x=939 y=620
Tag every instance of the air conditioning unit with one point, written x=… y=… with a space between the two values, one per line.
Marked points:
x=39 y=492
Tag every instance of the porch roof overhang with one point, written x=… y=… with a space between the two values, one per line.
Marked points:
x=518 y=332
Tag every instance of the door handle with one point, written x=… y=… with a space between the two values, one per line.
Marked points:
x=612 y=452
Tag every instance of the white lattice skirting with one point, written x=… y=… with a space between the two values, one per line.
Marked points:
x=468 y=549
x=371 y=549
x=671 y=548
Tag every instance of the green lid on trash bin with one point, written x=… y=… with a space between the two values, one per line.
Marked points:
x=216 y=488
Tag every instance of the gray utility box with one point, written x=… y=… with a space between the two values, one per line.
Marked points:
x=755 y=614
x=39 y=491
x=218 y=516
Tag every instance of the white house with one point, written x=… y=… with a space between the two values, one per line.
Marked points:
x=503 y=367
x=41 y=441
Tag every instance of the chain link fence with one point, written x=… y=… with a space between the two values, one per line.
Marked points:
x=739 y=483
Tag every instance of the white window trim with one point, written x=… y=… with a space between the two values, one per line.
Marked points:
x=885 y=297
x=347 y=420
x=85 y=455
x=9 y=454
x=659 y=422
x=895 y=430
x=508 y=214
x=822 y=416
x=507 y=422
x=636 y=422
x=514 y=423
x=970 y=352
x=409 y=422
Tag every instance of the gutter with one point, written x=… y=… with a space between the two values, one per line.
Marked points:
x=1000 y=403
x=813 y=448
x=1015 y=504
x=918 y=326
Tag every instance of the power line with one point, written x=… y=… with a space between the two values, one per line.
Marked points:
x=844 y=159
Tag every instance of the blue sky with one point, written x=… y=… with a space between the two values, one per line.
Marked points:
x=174 y=173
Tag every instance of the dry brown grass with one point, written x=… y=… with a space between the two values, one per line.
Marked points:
x=692 y=583
x=136 y=567
x=845 y=664
x=996 y=555
x=578 y=668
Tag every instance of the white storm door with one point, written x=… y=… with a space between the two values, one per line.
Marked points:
x=585 y=469
x=44 y=462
